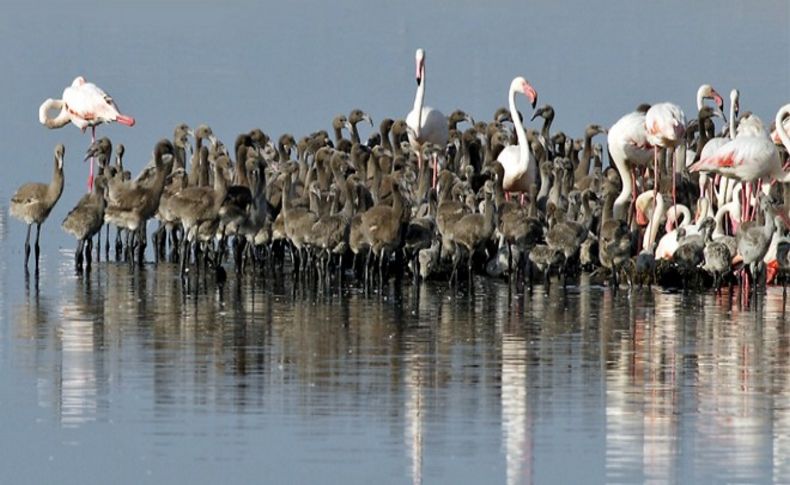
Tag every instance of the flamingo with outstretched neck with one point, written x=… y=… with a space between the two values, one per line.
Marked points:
x=428 y=125
x=85 y=105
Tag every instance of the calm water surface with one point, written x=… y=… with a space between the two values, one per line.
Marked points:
x=124 y=377
x=256 y=381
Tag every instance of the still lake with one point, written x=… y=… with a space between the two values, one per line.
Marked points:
x=126 y=377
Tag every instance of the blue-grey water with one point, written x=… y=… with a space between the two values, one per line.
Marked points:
x=125 y=377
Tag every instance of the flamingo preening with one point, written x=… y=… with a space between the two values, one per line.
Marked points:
x=665 y=126
x=85 y=105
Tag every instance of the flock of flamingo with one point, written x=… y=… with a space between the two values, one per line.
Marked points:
x=426 y=196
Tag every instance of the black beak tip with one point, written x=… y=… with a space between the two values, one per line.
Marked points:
x=418 y=81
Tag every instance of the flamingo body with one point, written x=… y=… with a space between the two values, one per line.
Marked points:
x=428 y=125
x=746 y=158
x=665 y=125
x=84 y=104
x=628 y=146
x=517 y=160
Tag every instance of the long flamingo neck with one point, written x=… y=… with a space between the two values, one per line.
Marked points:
x=60 y=120
x=625 y=191
x=655 y=219
x=419 y=100
x=523 y=146
x=732 y=118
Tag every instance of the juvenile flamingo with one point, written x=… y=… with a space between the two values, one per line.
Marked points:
x=84 y=104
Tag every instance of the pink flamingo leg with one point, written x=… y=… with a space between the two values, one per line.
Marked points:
x=632 y=206
x=435 y=167
x=674 y=189
x=90 y=175
x=758 y=187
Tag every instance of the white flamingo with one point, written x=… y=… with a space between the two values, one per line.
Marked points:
x=517 y=160
x=628 y=146
x=428 y=125
x=85 y=105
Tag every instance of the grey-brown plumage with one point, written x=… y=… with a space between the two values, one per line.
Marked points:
x=718 y=261
x=33 y=201
x=473 y=231
x=196 y=205
x=86 y=219
x=381 y=225
x=355 y=117
x=132 y=205
x=614 y=240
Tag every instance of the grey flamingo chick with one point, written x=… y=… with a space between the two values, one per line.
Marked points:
x=753 y=240
x=355 y=117
x=134 y=204
x=32 y=202
x=86 y=220
x=614 y=240
x=473 y=231
x=381 y=225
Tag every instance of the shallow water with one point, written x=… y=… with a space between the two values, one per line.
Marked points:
x=408 y=384
x=125 y=377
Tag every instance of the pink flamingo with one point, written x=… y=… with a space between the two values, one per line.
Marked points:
x=665 y=126
x=84 y=104
x=749 y=157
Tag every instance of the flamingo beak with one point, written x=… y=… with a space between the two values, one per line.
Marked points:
x=347 y=125
x=125 y=120
x=469 y=120
x=367 y=118
x=419 y=73
x=531 y=94
x=717 y=99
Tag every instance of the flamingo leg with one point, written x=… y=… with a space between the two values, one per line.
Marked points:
x=632 y=206
x=656 y=173
x=435 y=167
x=672 y=175
x=90 y=175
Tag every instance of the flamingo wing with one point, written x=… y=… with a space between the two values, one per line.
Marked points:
x=665 y=122
x=751 y=157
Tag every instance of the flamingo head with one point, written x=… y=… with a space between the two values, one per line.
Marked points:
x=706 y=91
x=419 y=59
x=521 y=84
x=736 y=105
x=78 y=81
x=106 y=109
x=60 y=151
x=775 y=129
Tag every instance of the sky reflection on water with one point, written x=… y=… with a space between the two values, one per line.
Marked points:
x=415 y=384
